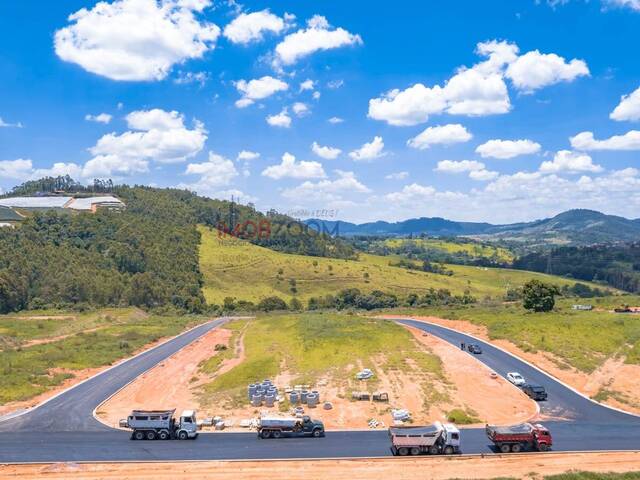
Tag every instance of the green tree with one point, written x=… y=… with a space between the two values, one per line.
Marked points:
x=539 y=296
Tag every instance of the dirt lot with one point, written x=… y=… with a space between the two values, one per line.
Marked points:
x=175 y=382
x=519 y=466
x=168 y=385
x=614 y=375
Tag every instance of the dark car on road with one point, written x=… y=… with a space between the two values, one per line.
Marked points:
x=474 y=348
x=536 y=392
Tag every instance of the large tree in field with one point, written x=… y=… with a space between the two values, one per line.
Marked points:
x=539 y=296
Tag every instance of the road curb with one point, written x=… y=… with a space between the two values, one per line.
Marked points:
x=619 y=410
x=463 y=456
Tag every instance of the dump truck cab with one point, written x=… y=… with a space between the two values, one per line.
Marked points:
x=542 y=437
x=188 y=425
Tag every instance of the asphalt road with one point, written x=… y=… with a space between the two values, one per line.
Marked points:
x=65 y=430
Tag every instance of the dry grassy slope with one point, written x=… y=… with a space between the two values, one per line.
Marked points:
x=233 y=268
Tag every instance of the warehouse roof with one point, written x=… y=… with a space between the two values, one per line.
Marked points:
x=35 y=202
x=88 y=203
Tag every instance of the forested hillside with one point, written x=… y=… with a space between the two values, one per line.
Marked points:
x=615 y=265
x=146 y=255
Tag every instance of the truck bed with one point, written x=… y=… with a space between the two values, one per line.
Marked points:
x=517 y=430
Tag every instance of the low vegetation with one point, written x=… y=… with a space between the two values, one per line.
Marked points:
x=69 y=342
x=437 y=250
x=314 y=346
x=242 y=272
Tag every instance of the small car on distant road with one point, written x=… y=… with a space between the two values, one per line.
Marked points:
x=474 y=348
x=536 y=392
x=515 y=378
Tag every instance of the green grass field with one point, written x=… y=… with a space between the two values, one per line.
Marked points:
x=472 y=249
x=313 y=345
x=233 y=268
x=90 y=340
x=581 y=339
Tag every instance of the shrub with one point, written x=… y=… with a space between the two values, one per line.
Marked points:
x=270 y=304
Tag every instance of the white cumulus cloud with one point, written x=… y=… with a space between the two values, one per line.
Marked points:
x=327 y=190
x=251 y=27
x=397 y=176
x=282 y=119
x=628 y=108
x=308 y=84
x=290 y=168
x=258 y=89
x=100 y=118
x=326 y=152
x=336 y=120
x=6 y=124
x=369 y=151
x=453 y=166
x=505 y=149
x=136 y=40
x=155 y=135
x=477 y=91
x=572 y=162
x=440 y=135
x=301 y=109
x=535 y=70
x=248 y=155
x=586 y=141
x=316 y=37
x=483 y=175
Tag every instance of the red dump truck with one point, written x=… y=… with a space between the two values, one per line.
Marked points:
x=516 y=438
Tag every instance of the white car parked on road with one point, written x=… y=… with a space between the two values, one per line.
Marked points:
x=515 y=378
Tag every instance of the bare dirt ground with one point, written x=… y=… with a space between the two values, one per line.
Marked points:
x=169 y=384
x=175 y=384
x=520 y=466
x=614 y=375
x=475 y=388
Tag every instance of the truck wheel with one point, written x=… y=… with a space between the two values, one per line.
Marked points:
x=317 y=433
x=505 y=448
x=151 y=435
x=163 y=435
x=434 y=450
x=448 y=450
x=403 y=451
x=415 y=451
x=138 y=435
x=265 y=434
x=516 y=448
x=543 y=447
x=182 y=435
x=277 y=434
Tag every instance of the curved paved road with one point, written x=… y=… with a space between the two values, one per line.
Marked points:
x=64 y=429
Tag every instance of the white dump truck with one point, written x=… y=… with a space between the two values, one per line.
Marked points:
x=161 y=425
x=277 y=427
x=433 y=439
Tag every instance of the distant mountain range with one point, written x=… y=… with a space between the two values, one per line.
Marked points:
x=573 y=227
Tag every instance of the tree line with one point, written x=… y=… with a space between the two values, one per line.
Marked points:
x=615 y=265
x=146 y=255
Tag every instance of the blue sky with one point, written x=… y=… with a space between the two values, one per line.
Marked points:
x=508 y=111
